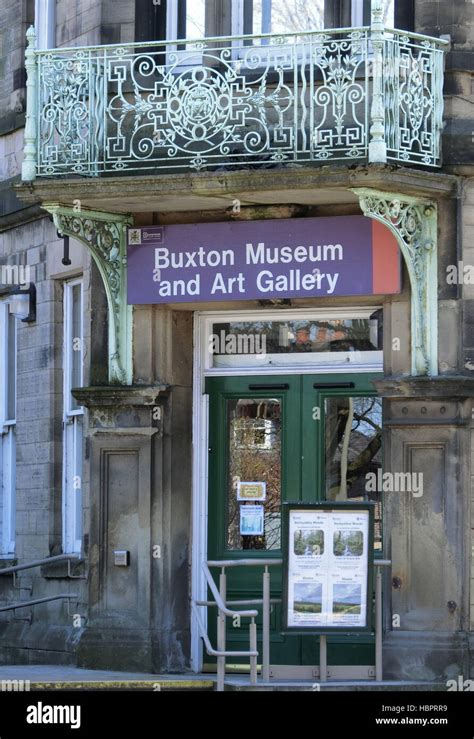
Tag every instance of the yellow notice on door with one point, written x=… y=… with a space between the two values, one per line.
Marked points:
x=251 y=490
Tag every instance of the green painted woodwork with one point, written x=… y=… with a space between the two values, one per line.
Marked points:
x=302 y=479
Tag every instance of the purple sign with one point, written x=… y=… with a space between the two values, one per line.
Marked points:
x=248 y=260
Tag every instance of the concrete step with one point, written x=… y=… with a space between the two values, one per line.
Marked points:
x=63 y=677
x=159 y=684
x=241 y=683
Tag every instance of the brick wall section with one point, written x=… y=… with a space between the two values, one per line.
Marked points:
x=118 y=21
x=468 y=353
x=15 y=16
x=471 y=550
x=78 y=23
x=468 y=289
x=89 y=23
x=11 y=154
x=39 y=384
x=436 y=18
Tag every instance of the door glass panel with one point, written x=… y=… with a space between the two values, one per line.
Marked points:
x=353 y=450
x=254 y=443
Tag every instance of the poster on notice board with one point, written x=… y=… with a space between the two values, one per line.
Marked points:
x=328 y=567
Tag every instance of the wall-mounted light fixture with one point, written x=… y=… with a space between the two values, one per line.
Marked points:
x=21 y=302
x=65 y=260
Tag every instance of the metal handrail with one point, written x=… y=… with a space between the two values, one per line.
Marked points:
x=223 y=610
x=251 y=602
x=379 y=563
x=174 y=143
x=418 y=36
x=208 y=41
x=40 y=563
x=209 y=648
x=35 y=601
x=244 y=562
x=221 y=653
x=220 y=603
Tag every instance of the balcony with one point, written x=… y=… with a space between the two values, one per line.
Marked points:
x=354 y=96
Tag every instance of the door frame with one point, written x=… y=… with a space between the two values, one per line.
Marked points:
x=200 y=430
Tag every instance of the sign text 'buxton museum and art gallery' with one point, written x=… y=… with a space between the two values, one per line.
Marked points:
x=248 y=260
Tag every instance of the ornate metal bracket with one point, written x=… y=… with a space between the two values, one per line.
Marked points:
x=104 y=235
x=413 y=221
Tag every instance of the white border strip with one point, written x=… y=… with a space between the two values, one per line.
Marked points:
x=203 y=321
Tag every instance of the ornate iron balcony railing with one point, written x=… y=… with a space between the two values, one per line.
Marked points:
x=340 y=95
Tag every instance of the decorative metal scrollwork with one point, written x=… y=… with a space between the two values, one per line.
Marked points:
x=259 y=102
x=414 y=96
x=104 y=236
x=414 y=224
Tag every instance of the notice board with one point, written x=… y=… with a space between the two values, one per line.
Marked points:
x=328 y=567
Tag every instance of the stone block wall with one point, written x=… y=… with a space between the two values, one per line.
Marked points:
x=39 y=440
x=456 y=19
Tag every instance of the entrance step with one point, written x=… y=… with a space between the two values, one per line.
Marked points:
x=59 y=677
x=62 y=677
x=237 y=683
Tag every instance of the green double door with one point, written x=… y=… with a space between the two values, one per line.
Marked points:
x=307 y=438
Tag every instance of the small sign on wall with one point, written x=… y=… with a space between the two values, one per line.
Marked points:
x=251 y=490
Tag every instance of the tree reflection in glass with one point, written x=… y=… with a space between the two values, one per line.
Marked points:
x=254 y=439
x=353 y=449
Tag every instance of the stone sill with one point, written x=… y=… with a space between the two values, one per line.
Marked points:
x=121 y=396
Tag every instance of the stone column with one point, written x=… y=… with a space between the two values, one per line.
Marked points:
x=427 y=431
x=124 y=450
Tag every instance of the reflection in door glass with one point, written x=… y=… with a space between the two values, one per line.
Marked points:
x=353 y=449
x=254 y=438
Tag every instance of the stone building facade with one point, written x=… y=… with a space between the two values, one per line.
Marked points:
x=109 y=456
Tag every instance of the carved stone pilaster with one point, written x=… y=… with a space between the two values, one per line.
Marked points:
x=413 y=221
x=104 y=235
